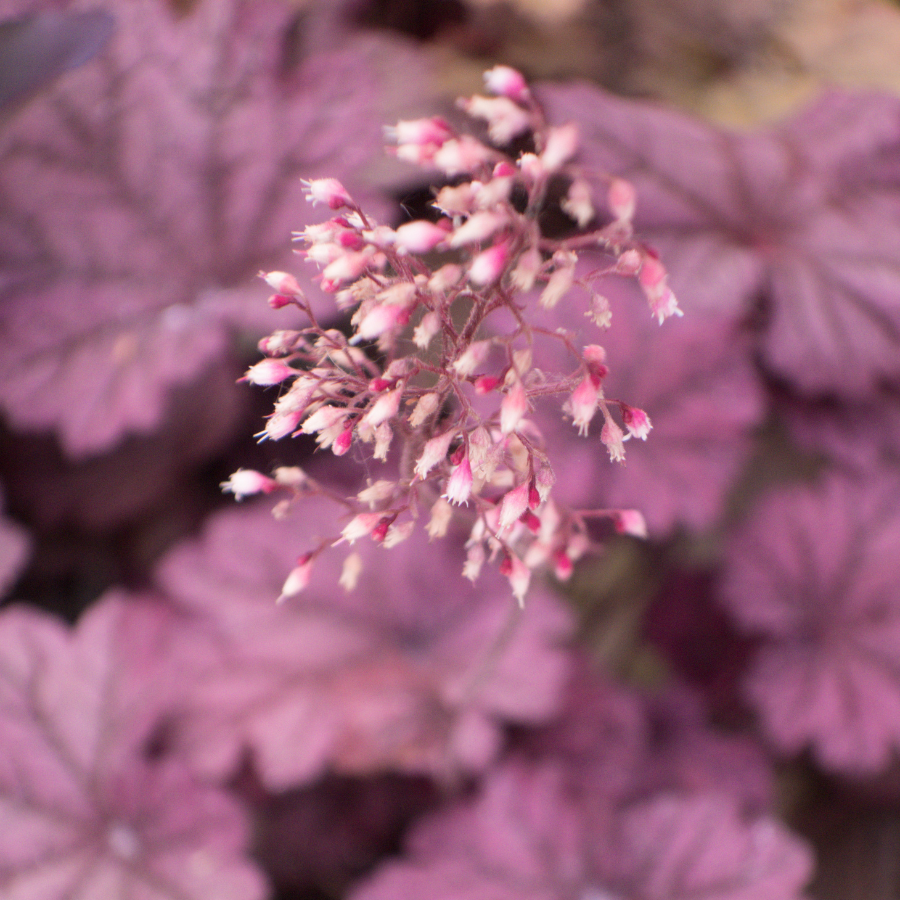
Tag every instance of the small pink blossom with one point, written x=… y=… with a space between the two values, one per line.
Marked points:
x=435 y=451
x=268 y=372
x=489 y=265
x=653 y=279
x=245 y=482
x=579 y=202
x=328 y=191
x=636 y=421
x=630 y=521
x=519 y=576
x=505 y=119
x=613 y=436
x=513 y=408
x=298 y=578
x=359 y=526
x=561 y=146
x=282 y=283
x=621 y=199
x=323 y=417
x=472 y=358
x=462 y=156
x=459 y=485
x=433 y=130
x=513 y=505
x=507 y=82
x=477 y=228
x=583 y=404
x=420 y=236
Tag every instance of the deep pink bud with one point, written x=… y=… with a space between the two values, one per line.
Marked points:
x=277 y=301
x=342 y=442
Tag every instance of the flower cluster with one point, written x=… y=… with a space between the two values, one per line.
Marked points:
x=440 y=355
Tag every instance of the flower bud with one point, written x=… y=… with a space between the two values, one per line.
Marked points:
x=246 y=482
x=328 y=191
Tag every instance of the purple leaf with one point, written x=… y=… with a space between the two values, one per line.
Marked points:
x=804 y=216
x=619 y=746
x=36 y=49
x=14 y=548
x=814 y=572
x=413 y=671
x=142 y=196
x=85 y=814
x=523 y=837
x=694 y=378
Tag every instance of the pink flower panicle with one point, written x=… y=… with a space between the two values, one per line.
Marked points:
x=429 y=370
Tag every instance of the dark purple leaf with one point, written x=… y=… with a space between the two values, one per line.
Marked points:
x=523 y=837
x=618 y=746
x=415 y=670
x=141 y=197
x=815 y=572
x=14 y=547
x=85 y=814
x=804 y=216
x=38 y=48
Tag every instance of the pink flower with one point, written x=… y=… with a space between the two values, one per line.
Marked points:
x=636 y=421
x=621 y=200
x=612 y=436
x=488 y=266
x=562 y=145
x=246 y=482
x=506 y=82
x=459 y=485
x=328 y=191
x=435 y=451
x=512 y=506
x=583 y=404
x=513 y=408
x=298 y=578
x=519 y=576
x=268 y=372
x=418 y=237
x=282 y=283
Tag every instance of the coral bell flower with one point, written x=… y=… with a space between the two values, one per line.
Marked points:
x=459 y=485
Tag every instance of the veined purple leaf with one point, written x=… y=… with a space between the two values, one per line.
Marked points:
x=37 y=48
x=802 y=217
x=814 y=571
x=524 y=837
x=415 y=670
x=85 y=813
x=618 y=746
x=141 y=196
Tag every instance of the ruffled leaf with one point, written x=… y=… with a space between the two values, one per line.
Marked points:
x=415 y=670
x=85 y=813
